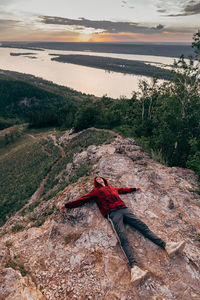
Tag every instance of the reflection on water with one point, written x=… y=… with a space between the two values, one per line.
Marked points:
x=84 y=79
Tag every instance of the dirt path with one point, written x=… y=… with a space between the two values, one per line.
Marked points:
x=36 y=196
x=57 y=145
x=31 y=135
x=8 y=130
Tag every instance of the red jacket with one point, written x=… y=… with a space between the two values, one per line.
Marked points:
x=106 y=197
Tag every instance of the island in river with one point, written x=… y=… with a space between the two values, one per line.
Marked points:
x=124 y=66
x=18 y=54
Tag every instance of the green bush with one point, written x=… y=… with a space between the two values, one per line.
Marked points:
x=39 y=222
x=16 y=264
x=17 y=227
x=193 y=160
x=33 y=205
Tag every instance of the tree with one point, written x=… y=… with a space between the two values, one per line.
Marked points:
x=85 y=116
x=196 y=46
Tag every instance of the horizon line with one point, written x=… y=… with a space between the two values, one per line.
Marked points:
x=82 y=42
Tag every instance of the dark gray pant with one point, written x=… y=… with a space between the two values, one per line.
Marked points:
x=117 y=218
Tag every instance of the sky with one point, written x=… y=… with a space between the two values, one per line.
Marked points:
x=99 y=20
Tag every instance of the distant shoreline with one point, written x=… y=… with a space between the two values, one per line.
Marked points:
x=166 y=50
x=21 y=47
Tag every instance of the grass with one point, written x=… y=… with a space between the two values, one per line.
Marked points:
x=83 y=170
x=23 y=165
x=6 y=142
x=33 y=205
x=17 y=227
x=39 y=222
x=32 y=217
x=23 y=212
x=25 y=162
x=158 y=156
x=89 y=137
x=16 y=264
x=76 y=145
x=49 y=211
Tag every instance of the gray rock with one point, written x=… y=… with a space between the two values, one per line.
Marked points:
x=92 y=264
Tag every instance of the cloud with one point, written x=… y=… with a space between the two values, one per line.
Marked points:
x=162 y=10
x=101 y=26
x=158 y=27
x=7 y=2
x=7 y=24
x=138 y=37
x=192 y=8
x=125 y=3
x=33 y=34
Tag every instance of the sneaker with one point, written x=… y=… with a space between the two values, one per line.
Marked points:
x=173 y=247
x=137 y=275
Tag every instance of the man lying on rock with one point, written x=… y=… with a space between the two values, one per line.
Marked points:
x=114 y=209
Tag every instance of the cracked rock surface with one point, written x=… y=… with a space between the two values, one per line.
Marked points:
x=76 y=255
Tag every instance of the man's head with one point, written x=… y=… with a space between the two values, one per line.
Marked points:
x=100 y=180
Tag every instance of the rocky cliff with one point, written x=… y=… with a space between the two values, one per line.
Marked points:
x=76 y=255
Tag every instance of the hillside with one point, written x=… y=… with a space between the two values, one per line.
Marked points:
x=29 y=156
x=23 y=96
x=46 y=254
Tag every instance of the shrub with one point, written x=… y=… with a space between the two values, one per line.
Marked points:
x=8 y=244
x=17 y=227
x=33 y=205
x=38 y=223
x=17 y=265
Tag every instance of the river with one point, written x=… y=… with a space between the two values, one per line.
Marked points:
x=84 y=79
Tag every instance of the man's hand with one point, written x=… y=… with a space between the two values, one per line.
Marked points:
x=138 y=189
x=62 y=208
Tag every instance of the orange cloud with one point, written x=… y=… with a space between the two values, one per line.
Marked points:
x=39 y=35
x=14 y=31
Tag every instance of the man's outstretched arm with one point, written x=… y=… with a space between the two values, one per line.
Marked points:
x=127 y=190
x=80 y=201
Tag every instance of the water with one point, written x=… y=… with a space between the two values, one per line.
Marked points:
x=84 y=79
